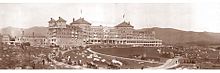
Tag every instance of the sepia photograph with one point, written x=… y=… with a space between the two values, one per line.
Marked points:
x=109 y=36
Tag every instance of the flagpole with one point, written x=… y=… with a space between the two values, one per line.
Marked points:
x=124 y=17
x=80 y=13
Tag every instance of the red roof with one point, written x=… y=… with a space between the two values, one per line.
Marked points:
x=124 y=24
x=80 y=21
x=61 y=20
x=52 y=20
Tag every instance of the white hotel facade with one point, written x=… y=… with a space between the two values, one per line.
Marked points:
x=80 y=33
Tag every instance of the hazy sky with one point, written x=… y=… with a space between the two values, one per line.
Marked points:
x=190 y=17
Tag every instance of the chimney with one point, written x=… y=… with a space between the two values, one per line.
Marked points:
x=73 y=19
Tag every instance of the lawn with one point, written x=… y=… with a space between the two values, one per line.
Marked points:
x=128 y=52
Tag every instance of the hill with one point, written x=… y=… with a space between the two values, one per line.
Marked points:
x=176 y=37
x=14 y=32
x=38 y=31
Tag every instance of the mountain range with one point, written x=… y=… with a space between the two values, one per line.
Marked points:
x=177 y=37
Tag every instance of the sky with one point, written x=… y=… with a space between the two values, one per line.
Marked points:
x=184 y=16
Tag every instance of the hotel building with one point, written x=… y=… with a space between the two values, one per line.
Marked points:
x=81 y=33
x=37 y=41
x=63 y=35
x=34 y=40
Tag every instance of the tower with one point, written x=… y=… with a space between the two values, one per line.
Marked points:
x=52 y=22
x=61 y=23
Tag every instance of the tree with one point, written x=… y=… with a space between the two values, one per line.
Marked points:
x=218 y=48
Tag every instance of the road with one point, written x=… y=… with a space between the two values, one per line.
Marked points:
x=122 y=57
x=168 y=64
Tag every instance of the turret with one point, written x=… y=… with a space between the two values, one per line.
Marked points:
x=61 y=23
x=52 y=22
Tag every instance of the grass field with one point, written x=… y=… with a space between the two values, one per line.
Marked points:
x=128 y=52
